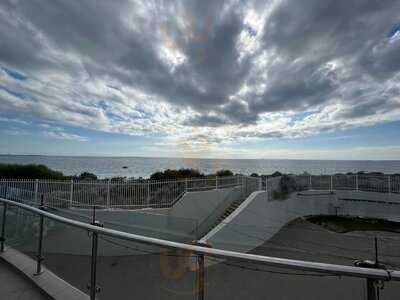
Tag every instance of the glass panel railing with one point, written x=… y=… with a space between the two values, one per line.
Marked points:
x=232 y=279
x=389 y=290
x=21 y=230
x=146 y=223
x=282 y=229
x=67 y=253
x=130 y=270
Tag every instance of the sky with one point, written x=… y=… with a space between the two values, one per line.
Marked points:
x=281 y=79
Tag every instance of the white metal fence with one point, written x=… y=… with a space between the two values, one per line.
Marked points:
x=280 y=187
x=357 y=182
x=162 y=194
x=109 y=194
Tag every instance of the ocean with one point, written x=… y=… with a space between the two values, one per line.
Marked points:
x=106 y=167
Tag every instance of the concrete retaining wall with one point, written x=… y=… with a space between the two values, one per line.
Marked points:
x=257 y=220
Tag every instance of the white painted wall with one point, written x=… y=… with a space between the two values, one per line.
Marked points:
x=258 y=220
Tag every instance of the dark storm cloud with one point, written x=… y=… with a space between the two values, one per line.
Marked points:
x=120 y=41
x=206 y=121
x=316 y=32
x=98 y=34
x=295 y=86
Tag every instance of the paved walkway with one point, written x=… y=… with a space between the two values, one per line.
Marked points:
x=14 y=286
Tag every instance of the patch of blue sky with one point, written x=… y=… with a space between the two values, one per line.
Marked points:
x=40 y=144
x=19 y=95
x=97 y=135
x=381 y=135
x=251 y=32
x=102 y=104
x=394 y=30
x=144 y=114
x=386 y=134
x=300 y=117
x=113 y=116
x=22 y=118
x=14 y=74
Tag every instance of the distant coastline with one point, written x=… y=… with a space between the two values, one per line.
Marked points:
x=196 y=158
x=108 y=167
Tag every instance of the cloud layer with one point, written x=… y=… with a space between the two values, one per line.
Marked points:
x=202 y=72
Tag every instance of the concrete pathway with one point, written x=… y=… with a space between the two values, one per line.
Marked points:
x=14 y=286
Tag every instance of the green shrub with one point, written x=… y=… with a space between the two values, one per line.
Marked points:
x=87 y=176
x=14 y=171
x=176 y=174
x=158 y=176
x=276 y=174
x=224 y=173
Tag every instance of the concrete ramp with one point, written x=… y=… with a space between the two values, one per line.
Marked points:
x=257 y=219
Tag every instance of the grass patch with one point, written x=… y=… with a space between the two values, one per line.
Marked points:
x=344 y=224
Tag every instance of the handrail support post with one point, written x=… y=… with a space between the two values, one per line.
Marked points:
x=371 y=292
x=93 y=267
x=39 y=257
x=94 y=289
x=201 y=287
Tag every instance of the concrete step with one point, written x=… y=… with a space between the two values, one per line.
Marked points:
x=226 y=214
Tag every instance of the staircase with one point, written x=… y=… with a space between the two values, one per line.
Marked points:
x=227 y=213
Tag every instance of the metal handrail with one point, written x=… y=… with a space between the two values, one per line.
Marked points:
x=340 y=270
x=214 y=215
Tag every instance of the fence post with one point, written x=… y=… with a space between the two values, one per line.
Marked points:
x=216 y=182
x=186 y=184
x=260 y=183
x=3 y=228
x=266 y=186
x=242 y=184
x=71 y=193
x=389 y=185
x=148 y=193
x=108 y=192
x=331 y=183
x=357 y=182
x=39 y=257
x=36 y=190
x=310 y=183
